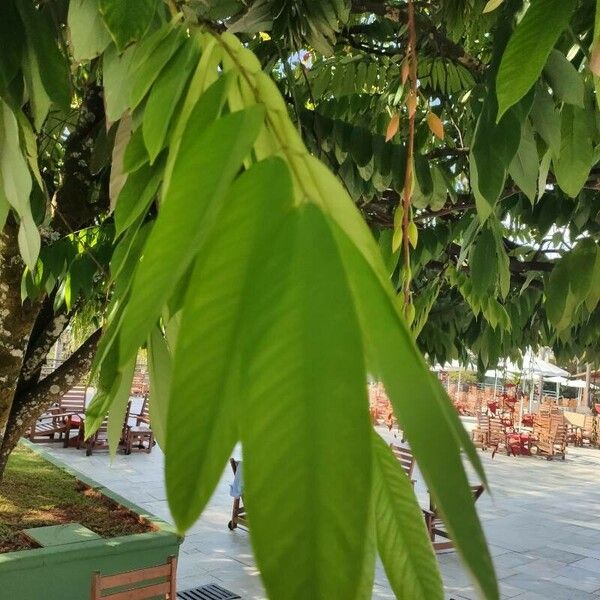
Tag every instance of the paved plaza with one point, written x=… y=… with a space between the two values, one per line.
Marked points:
x=542 y=522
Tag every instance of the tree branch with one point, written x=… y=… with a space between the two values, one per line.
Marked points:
x=27 y=407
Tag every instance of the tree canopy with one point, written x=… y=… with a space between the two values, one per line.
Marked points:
x=185 y=176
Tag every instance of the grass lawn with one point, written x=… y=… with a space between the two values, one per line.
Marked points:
x=35 y=493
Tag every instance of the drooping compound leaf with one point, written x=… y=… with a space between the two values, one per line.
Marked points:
x=303 y=375
x=205 y=396
x=127 y=21
x=423 y=409
x=183 y=220
x=406 y=553
x=528 y=49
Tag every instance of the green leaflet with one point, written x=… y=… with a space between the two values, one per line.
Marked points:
x=528 y=49
x=492 y=150
x=593 y=296
x=136 y=153
x=117 y=82
x=423 y=409
x=118 y=407
x=402 y=538
x=566 y=82
x=205 y=395
x=483 y=263
x=11 y=34
x=556 y=290
x=89 y=36
x=580 y=259
x=546 y=118
x=4 y=208
x=185 y=217
x=573 y=164
x=53 y=67
x=303 y=378
x=127 y=21
x=165 y=95
x=524 y=167
x=160 y=370
x=38 y=97
x=137 y=193
x=144 y=75
x=16 y=184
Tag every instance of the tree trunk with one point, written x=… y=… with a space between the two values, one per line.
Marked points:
x=28 y=407
x=16 y=319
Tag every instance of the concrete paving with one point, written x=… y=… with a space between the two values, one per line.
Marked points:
x=542 y=523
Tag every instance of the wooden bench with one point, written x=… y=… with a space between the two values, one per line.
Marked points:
x=405 y=458
x=148 y=583
x=436 y=527
x=57 y=423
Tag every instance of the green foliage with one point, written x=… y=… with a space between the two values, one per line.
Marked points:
x=197 y=194
x=528 y=49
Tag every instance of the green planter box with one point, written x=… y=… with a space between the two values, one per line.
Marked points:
x=65 y=572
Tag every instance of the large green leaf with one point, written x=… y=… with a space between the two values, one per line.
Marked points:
x=89 y=36
x=494 y=145
x=165 y=95
x=402 y=538
x=566 y=82
x=483 y=262
x=137 y=193
x=116 y=80
x=424 y=411
x=572 y=166
x=146 y=68
x=16 y=184
x=304 y=378
x=203 y=170
x=11 y=34
x=53 y=66
x=524 y=167
x=160 y=370
x=528 y=49
x=205 y=396
x=556 y=290
x=127 y=21
x=118 y=406
x=546 y=119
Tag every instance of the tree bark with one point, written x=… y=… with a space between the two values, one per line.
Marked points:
x=29 y=406
x=16 y=318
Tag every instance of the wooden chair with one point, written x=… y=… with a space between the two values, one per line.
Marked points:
x=552 y=437
x=481 y=434
x=497 y=436
x=61 y=419
x=405 y=458
x=437 y=528
x=148 y=583
x=134 y=436
x=100 y=439
x=238 y=512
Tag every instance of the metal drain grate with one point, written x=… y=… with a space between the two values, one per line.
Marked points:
x=207 y=592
